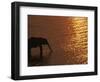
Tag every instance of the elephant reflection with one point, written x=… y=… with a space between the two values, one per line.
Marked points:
x=34 y=42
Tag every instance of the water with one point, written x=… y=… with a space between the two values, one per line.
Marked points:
x=67 y=37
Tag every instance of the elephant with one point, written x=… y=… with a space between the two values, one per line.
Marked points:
x=34 y=42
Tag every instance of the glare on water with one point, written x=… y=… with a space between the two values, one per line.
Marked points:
x=77 y=43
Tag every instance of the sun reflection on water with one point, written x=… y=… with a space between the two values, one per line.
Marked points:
x=76 y=45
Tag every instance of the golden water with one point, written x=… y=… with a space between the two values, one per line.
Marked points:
x=67 y=37
x=77 y=44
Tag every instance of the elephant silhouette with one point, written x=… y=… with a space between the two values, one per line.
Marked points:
x=34 y=42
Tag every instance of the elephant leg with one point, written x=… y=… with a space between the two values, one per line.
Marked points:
x=41 y=52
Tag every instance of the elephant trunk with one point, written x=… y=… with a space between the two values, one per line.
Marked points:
x=49 y=46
